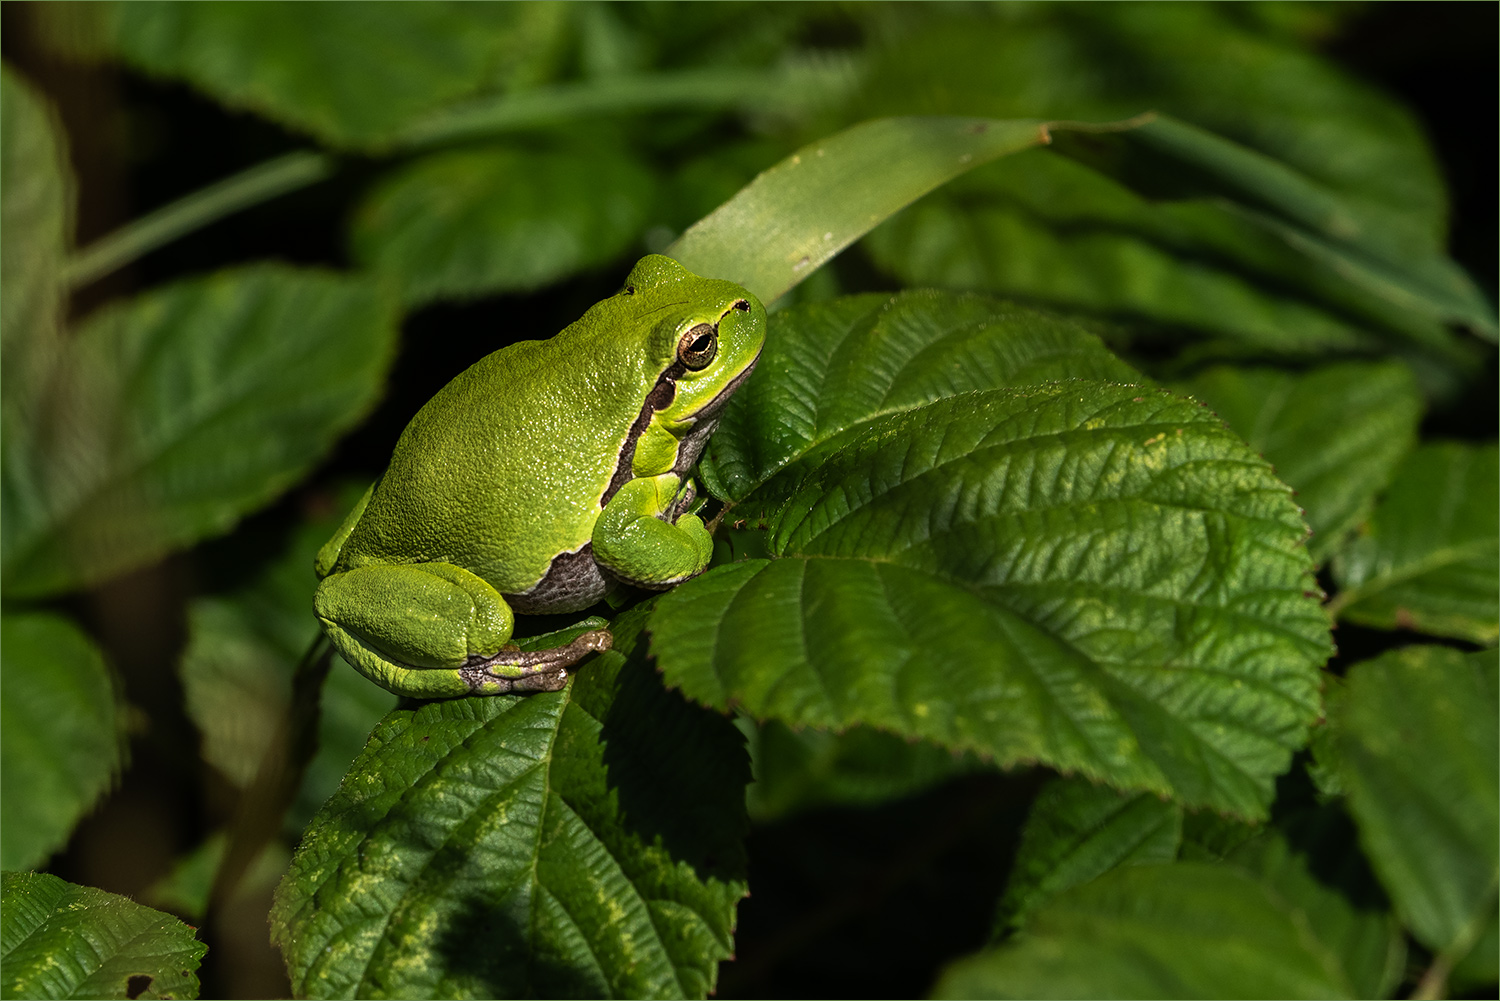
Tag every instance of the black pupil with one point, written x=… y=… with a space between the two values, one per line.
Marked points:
x=701 y=344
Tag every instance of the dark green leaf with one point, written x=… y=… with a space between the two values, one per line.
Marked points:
x=58 y=940
x=351 y=77
x=479 y=221
x=243 y=647
x=830 y=367
x=582 y=843
x=1419 y=755
x=1094 y=576
x=1048 y=229
x=1429 y=557
x=1175 y=930
x=182 y=410
x=797 y=215
x=36 y=201
x=1205 y=64
x=1314 y=878
x=1334 y=434
x=1078 y=831
x=797 y=770
x=60 y=737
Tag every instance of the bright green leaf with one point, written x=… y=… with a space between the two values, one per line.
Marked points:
x=797 y=770
x=797 y=215
x=1419 y=755
x=1077 y=831
x=60 y=741
x=479 y=221
x=58 y=940
x=36 y=210
x=183 y=409
x=1334 y=434
x=1094 y=576
x=830 y=367
x=1429 y=557
x=1174 y=930
x=348 y=75
x=593 y=835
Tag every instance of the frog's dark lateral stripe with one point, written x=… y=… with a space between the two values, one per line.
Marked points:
x=688 y=450
x=660 y=398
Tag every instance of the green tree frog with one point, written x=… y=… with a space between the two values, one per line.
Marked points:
x=535 y=482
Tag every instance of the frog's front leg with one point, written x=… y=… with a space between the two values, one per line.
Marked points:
x=634 y=543
x=435 y=630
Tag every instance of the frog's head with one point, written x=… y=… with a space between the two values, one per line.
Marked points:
x=706 y=334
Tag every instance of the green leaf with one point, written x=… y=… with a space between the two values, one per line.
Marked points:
x=1429 y=557
x=798 y=770
x=1174 y=930
x=592 y=835
x=36 y=213
x=1045 y=228
x=1077 y=831
x=798 y=214
x=181 y=410
x=58 y=940
x=1204 y=64
x=350 y=77
x=480 y=221
x=1419 y=755
x=1098 y=577
x=830 y=367
x=1309 y=862
x=1334 y=434
x=60 y=741
x=243 y=647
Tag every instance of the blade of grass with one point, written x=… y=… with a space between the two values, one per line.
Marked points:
x=797 y=215
x=257 y=184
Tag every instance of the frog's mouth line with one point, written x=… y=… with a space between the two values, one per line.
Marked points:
x=711 y=409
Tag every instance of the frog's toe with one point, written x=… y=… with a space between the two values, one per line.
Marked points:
x=531 y=670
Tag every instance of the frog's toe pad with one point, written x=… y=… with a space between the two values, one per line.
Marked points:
x=531 y=670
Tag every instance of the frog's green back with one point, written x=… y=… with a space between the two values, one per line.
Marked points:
x=509 y=464
x=504 y=466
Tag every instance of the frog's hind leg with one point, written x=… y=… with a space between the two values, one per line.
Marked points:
x=531 y=670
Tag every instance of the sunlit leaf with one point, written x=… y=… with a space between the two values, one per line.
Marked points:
x=182 y=410
x=1419 y=755
x=58 y=940
x=831 y=367
x=1110 y=581
x=60 y=737
x=1429 y=557
x=593 y=833
x=798 y=214
x=480 y=221
x=1334 y=434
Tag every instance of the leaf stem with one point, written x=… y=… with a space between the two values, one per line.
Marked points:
x=257 y=184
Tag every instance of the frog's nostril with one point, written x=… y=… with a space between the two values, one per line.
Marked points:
x=742 y=306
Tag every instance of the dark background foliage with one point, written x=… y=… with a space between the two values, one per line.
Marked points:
x=846 y=901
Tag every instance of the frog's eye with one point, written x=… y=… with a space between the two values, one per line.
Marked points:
x=698 y=346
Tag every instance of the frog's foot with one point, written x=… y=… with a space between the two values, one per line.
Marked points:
x=515 y=670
